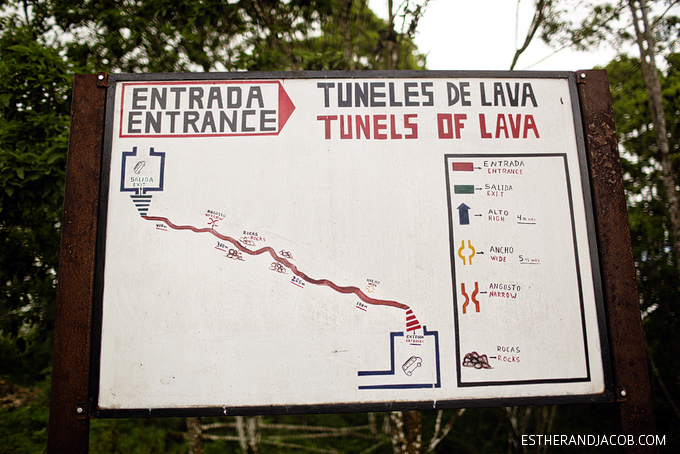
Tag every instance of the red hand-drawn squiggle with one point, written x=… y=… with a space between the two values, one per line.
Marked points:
x=345 y=290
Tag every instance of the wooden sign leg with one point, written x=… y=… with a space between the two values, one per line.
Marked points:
x=629 y=358
x=69 y=423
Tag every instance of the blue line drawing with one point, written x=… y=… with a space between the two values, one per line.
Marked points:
x=391 y=371
x=140 y=175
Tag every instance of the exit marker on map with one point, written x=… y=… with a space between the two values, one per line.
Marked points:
x=464 y=189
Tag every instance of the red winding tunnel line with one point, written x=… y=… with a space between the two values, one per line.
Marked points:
x=346 y=290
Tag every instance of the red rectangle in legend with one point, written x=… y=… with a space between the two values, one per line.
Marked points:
x=462 y=166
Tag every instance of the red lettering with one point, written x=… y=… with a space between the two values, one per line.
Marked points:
x=501 y=126
x=364 y=125
x=327 y=120
x=380 y=124
x=445 y=126
x=482 y=127
x=515 y=126
x=343 y=134
x=412 y=126
x=377 y=127
x=393 y=128
x=529 y=123
x=458 y=122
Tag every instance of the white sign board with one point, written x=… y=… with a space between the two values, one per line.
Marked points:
x=336 y=241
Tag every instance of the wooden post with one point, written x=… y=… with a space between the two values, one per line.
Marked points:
x=624 y=323
x=69 y=423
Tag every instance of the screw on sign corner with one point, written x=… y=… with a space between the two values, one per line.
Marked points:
x=81 y=411
x=102 y=80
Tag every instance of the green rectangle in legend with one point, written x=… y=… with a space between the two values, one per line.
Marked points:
x=464 y=189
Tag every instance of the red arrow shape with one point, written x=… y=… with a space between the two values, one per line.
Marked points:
x=286 y=107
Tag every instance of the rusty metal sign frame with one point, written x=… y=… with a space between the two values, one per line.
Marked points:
x=71 y=402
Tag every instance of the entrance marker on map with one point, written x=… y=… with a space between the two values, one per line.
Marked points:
x=412 y=322
x=462 y=166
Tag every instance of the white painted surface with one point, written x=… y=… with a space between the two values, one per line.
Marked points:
x=187 y=323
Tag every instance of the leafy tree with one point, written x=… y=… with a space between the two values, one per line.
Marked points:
x=648 y=26
x=646 y=106
x=544 y=10
x=272 y=35
x=34 y=116
x=650 y=223
x=351 y=37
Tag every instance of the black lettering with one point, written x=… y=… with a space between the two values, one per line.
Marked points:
x=498 y=94
x=151 y=122
x=255 y=93
x=161 y=98
x=409 y=94
x=215 y=94
x=172 y=116
x=326 y=89
x=264 y=120
x=178 y=94
x=428 y=94
x=195 y=96
x=465 y=94
x=360 y=94
x=454 y=94
x=233 y=97
x=514 y=99
x=231 y=122
x=528 y=93
x=137 y=98
x=483 y=94
x=190 y=118
x=377 y=94
x=347 y=102
x=208 y=121
x=132 y=121
x=393 y=101
x=244 y=120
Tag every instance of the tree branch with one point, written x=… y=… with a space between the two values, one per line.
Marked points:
x=536 y=22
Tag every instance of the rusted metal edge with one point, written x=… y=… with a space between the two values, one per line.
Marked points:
x=627 y=345
x=69 y=425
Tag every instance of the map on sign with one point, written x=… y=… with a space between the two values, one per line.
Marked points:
x=328 y=242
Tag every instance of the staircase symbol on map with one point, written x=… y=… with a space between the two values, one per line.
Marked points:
x=141 y=174
x=412 y=322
